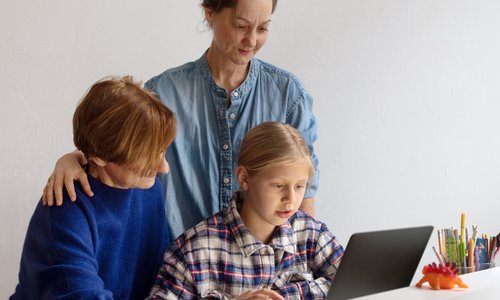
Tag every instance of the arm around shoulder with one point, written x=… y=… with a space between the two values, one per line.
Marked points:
x=68 y=168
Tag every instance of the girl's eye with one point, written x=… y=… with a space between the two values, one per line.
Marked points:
x=279 y=186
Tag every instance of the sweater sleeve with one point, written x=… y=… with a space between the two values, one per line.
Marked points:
x=58 y=259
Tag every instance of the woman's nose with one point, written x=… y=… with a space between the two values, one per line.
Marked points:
x=164 y=167
x=250 y=38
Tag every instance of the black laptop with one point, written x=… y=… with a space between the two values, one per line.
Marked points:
x=379 y=261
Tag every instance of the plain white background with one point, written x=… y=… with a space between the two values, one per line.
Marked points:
x=407 y=95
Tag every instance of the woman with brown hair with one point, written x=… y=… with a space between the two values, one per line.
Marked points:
x=216 y=99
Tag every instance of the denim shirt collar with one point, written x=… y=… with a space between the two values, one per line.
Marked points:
x=244 y=88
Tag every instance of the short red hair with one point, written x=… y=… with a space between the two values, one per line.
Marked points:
x=120 y=122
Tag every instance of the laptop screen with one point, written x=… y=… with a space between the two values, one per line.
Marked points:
x=379 y=261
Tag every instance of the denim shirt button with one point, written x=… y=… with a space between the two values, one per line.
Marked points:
x=225 y=146
x=235 y=94
x=232 y=116
x=226 y=180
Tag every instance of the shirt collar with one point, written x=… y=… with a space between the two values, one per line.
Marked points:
x=283 y=237
x=244 y=88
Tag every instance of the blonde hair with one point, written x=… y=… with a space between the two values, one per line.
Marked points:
x=120 y=122
x=273 y=143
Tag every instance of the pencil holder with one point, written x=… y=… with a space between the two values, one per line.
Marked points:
x=477 y=267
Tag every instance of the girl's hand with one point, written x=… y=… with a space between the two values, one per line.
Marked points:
x=68 y=168
x=259 y=294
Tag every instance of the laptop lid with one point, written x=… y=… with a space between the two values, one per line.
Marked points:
x=379 y=261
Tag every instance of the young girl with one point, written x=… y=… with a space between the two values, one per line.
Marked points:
x=261 y=244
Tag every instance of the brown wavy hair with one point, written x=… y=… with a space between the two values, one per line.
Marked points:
x=218 y=5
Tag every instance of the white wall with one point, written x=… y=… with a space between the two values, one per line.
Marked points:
x=407 y=95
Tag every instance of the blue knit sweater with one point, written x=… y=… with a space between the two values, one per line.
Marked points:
x=109 y=246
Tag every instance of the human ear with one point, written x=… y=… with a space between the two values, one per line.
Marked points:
x=98 y=161
x=209 y=13
x=242 y=176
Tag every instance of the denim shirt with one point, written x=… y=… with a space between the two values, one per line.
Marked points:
x=203 y=155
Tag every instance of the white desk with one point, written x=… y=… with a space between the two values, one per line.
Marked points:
x=482 y=285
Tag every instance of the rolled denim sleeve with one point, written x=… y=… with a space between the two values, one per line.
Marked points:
x=301 y=116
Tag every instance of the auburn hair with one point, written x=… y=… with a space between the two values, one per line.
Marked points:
x=120 y=122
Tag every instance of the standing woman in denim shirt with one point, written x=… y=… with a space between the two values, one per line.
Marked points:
x=216 y=99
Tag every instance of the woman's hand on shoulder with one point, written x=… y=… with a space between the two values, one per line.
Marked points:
x=68 y=168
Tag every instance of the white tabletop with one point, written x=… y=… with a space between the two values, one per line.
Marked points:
x=482 y=285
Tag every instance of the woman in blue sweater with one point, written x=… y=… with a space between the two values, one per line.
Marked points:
x=108 y=246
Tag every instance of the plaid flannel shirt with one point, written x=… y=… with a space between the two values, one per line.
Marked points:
x=220 y=259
